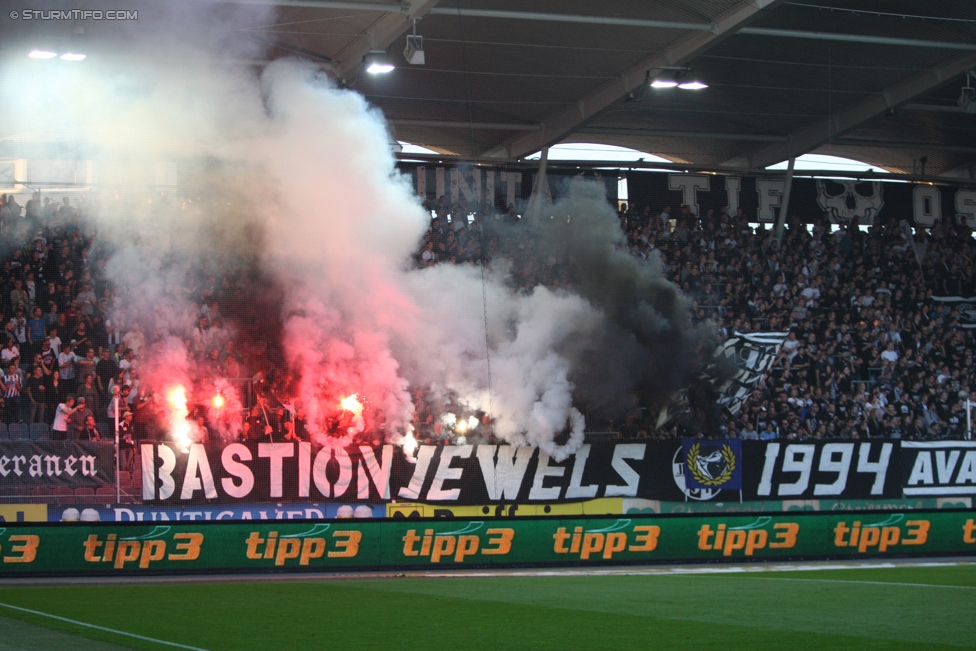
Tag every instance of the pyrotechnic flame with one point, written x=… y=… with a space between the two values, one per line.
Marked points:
x=179 y=426
x=409 y=443
x=460 y=425
x=218 y=401
x=352 y=404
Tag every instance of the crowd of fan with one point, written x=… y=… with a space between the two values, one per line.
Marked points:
x=67 y=348
x=869 y=353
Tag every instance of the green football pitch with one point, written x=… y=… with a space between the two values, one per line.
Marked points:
x=901 y=607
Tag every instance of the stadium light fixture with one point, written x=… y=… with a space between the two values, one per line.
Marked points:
x=42 y=54
x=377 y=63
x=677 y=79
x=414 y=51
x=967 y=98
x=72 y=56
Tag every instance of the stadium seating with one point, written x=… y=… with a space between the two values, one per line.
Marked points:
x=3 y=432
x=105 y=494
x=64 y=495
x=18 y=432
x=39 y=431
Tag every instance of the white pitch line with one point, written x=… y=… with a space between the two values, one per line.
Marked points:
x=753 y=568
x=102 y=628
x=909 y=585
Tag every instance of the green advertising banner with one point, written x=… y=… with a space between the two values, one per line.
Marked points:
x=114 y=548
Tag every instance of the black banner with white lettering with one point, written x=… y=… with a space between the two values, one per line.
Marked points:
x=73 y=464
x=837 y=470
x=842 y=200
x=938 y=468
x=502 y=474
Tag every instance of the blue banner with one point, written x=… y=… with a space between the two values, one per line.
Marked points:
x=713 y=465
x=194 y=513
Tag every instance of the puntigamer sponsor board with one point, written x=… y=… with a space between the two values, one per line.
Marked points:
x=502 y=474
x=347 y=544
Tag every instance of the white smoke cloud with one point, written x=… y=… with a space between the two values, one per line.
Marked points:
x=346 y=226
x=310 y=167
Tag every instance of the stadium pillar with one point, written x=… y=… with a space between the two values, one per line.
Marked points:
x=785 y=204
x=969 y=419
x=118 y=486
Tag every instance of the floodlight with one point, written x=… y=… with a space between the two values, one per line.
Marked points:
x=72 y=56
x=693 y=85
x=42 y=54
x=967 y=99
x=377 y=63
x=663 y=83
x=414 y=52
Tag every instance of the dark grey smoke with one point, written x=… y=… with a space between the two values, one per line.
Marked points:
x=649 y=345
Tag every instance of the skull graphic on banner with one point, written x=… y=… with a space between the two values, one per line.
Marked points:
x=845 y=200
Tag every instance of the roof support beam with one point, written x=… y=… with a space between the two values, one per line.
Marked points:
x=820 y=131
x=665 y=133
x=857 y=38
x=390 y=7
x=559 y=125
x=448 y=124
x=891 y=144
x=469 y=12
x=570 y=18
x=937 y=108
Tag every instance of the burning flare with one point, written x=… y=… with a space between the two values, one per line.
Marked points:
x=409 y=443
x=352 y=404
x=460 y=425
x=178 y=424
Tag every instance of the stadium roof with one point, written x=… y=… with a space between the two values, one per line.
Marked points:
x=873 y=80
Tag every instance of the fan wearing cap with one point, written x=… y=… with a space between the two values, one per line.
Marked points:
x=77 y=419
